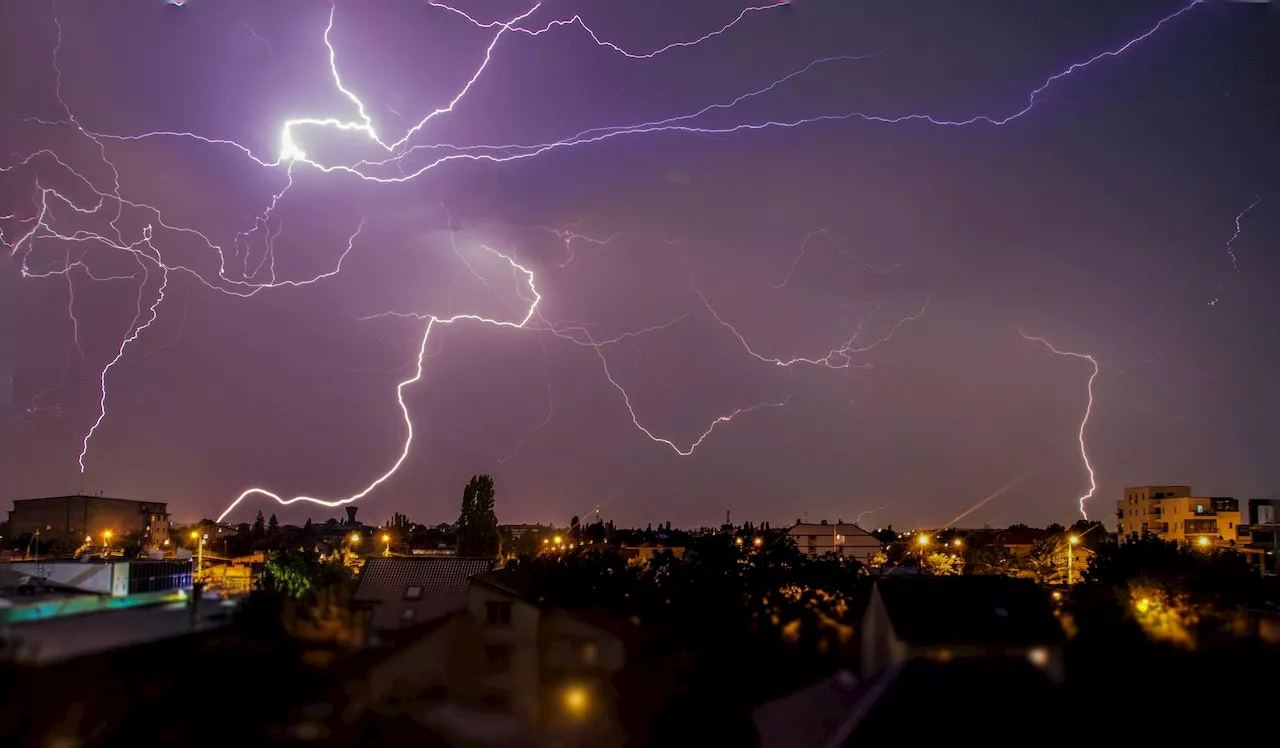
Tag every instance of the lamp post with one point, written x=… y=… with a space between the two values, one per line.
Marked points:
x=1071 y=555
x=106 y=542
x=386 y=540
x=199 y=540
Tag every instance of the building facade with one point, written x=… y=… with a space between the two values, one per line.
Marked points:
x=843 y=539
x=90 y=516
x=1172 y=513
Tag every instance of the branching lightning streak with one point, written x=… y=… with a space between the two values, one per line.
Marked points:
x=1088 y=411
x=135 y=330
x=1235 y=266
x=804 y=247
x=110 y=201
x=837 y=358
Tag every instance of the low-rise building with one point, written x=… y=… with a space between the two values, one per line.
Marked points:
x=504 y=670
x=841 y=538
x=81 y=516
x=1172 y=513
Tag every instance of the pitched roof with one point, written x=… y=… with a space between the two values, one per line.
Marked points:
x=383 y=579
x=995 y=691
x=969 y=610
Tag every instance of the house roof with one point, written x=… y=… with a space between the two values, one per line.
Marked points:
x=995 y=691
x=969 y=610
x=508 y=581
x=847 y=529
x=386 y=579
x=1022 y=536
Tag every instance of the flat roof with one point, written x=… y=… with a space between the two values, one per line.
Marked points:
x=83 y=496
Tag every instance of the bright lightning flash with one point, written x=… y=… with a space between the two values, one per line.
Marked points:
x=1084 y=422
x=402 y=160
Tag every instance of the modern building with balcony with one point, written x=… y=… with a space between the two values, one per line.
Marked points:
x=1172 y=513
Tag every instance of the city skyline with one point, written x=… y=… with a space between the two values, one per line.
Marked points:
x=895 y=277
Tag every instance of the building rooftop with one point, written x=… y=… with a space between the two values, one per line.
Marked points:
x=970 y=610
x=406 y=591
x=382 y=578
x=1009 y=696
x=86 y=496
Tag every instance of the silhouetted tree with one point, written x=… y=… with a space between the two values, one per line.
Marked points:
x=273 y=526
x=259 y=526
x=478 y=522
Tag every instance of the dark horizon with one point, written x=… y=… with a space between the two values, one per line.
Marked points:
x=1126 y=216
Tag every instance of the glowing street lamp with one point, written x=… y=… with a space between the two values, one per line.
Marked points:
x=757 y=542
x=1203 y=541
x=923 y=540
x=386 y=539
x=106 y=542
x=737 y=541
x=355 y=538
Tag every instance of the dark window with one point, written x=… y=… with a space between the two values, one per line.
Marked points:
x=498 y=613
x=498 y=657
x=413 y=593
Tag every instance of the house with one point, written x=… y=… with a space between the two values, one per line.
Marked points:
x=942 y=619
x=404 y=591
x=505 y=669
x=843 y=539
x=1020 y=539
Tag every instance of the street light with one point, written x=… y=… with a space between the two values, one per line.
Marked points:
x=957 y=542
x=1203 y=540
x=387 y=540
x=355 y=538
x=1071 y=555
x=923 y=540
x=106 y=542
x=737 y=541
x=757 y=542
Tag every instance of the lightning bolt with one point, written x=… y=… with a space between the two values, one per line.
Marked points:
x=1235 y=265
x=403 y=164
x=1088 y=411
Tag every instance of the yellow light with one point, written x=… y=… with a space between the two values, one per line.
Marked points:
x=355 y=537
x=1057 y=595
x=194 y=534
x=923 y=540
x=1073 y=539
x=386 y=538
x=758 y=542
x=576 y=700
x=956 y=542
x=106 y=534
x=738 y=541
x=557 y=539
x=545 y=541
x=1204 y=540
x=88 y=539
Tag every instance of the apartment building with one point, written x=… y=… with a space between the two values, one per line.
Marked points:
x=1172 y=513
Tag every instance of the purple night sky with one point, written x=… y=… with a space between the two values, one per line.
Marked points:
x=1101 y=219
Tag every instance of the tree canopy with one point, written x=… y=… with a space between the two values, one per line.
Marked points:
x=478 y=521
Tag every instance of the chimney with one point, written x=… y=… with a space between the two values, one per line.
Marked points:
x=351 y=514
